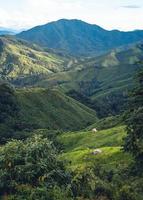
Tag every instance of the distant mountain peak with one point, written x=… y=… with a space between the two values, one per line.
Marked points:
x=73 y=21
x=79 y=38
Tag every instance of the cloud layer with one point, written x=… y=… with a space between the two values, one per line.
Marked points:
x=28 y=13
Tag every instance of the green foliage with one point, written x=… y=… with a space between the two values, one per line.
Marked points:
x=110 y=104
x=99 y=83
x=106 y=175
x=51 y=109
x=107 y=123
x=103 y=138
x=25 y=110
x=25 y=64
x=31 y=165
x=9 y=111
x=88 y=186
x=79 y=147
x=134 y=140
x=126 y=193
x=31 y=168
x=8 y=102
x=100 y=183
x=42 y=193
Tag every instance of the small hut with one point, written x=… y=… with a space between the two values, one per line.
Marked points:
x=94 y=130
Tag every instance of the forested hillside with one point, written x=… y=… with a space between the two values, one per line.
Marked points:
x=71 y=122
x=29 y=109
x=102 y=81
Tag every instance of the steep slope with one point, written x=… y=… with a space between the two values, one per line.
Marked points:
x=95 y=76
x=105 y=79
x=53 y=110
x=20 y=60
x=79 y=38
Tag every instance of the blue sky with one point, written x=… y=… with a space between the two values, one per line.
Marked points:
x=110 y=14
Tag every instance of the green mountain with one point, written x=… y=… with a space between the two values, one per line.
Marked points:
x=53 y=110
x=79 y=38
x=25 y=110
x=20 y=60
x=92 y=163
x=100 y=83
x=105 y=79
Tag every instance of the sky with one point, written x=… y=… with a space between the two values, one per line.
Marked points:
x=109 y=14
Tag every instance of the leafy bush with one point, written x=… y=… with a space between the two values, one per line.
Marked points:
x=134 y=139
x=31 y=164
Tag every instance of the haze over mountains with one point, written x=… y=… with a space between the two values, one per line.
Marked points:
x=8 y=31
x=79 y=38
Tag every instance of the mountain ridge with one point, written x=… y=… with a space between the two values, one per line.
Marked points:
x=53 y=110
x=79 y=38
x=20 y=59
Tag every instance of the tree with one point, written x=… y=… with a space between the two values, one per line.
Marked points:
x=30 y=164
x=8 y=102
x=9 y=111
x=134 y=139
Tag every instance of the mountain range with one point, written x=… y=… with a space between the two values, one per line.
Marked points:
x=8 y=31
x=65 y=128
x=104 y=79
x=79 y=38
x=93 y=80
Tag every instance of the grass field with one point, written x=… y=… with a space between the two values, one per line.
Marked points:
x=79 y=147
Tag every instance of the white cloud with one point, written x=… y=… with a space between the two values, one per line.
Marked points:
x=28 y=13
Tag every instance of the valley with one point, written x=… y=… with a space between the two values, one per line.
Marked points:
x=71 y=108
